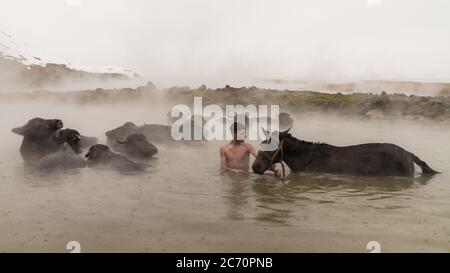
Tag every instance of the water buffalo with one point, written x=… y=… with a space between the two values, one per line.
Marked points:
x=155 y=133
x=102 y=156
x=63 y=159
x=373 y=159
x=74 y=139
x=37 y=137
x=136 y=145
x=45 y=136
x=196 y=123
x=196 y=120
x=286 y=121
x=87 y=142
x=68 y=136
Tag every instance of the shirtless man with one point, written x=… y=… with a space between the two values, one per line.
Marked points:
x=235 y=156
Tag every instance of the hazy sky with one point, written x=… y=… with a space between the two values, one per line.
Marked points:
x=218 y=42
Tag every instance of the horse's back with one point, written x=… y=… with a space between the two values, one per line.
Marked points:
x=372 y=159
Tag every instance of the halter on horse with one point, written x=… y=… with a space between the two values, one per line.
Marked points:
x=273 y=160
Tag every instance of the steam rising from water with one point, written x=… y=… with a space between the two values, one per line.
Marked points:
x=186 y=204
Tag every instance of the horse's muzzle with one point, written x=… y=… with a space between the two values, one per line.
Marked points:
x=257 y=169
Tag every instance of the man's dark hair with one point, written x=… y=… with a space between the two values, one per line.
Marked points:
x=236 y=127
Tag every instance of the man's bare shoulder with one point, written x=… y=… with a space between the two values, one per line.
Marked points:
x=225 y=147
x=249 y=145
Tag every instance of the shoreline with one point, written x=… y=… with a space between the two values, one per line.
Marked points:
x=381 y=106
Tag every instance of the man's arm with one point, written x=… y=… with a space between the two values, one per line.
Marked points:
x=252 y=149
x=223 y=158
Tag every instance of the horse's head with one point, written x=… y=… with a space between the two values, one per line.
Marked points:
x=271 y=152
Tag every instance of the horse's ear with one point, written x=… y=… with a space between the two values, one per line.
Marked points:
x=266 y=133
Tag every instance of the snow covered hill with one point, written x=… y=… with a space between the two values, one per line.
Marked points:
x=22 y=69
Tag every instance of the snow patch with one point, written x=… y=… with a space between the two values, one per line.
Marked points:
x=22 y=52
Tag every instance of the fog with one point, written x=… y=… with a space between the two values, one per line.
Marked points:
x=185 y=203
x=241 y=42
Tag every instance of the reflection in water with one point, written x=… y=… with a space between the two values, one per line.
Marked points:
x=236 y=193
x=276 y=199
x=331 y=181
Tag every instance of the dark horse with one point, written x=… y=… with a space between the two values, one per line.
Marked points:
x=373 y=159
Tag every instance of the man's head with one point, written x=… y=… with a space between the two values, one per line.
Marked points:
x=238 y=131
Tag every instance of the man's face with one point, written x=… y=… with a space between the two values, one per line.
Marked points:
x=240 y=135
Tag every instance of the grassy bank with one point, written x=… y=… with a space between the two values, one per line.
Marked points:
x=363 y=105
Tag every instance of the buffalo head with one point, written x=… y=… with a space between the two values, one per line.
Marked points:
x=39 y=128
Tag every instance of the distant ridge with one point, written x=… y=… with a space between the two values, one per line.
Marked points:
x=21 y=69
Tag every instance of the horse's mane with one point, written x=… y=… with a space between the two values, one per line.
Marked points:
x=302 y=142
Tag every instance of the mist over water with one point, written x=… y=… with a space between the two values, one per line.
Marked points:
x=240 y=43
x=186 y=204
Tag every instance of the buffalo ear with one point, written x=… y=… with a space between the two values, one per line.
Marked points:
x=19 y=130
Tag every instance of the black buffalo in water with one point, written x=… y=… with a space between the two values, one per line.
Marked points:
x=74 y=139
x=44 y=136
x=154 y=133
x=286 y=121
x=68 y=136
x=87 y=142
x=136 y=145
x=374 y=159
x=63 y=159
x=37 y=137
x=101 y=156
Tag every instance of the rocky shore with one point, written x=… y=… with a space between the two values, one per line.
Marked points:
x=360 y=105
